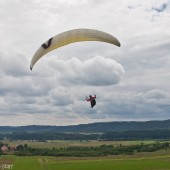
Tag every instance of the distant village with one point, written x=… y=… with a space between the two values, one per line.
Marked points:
x=5 y=148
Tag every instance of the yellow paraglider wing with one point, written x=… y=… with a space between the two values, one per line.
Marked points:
x=72 y=36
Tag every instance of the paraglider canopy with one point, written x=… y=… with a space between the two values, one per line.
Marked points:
x=72 y=36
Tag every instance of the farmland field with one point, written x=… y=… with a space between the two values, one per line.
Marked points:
x=65 y=143
x=159 y=160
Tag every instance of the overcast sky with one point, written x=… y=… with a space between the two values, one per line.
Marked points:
x=132 y=82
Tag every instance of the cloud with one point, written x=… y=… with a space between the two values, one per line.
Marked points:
x=60 y=97
x=97 y=71
x=161 y=8
x=54 y=92
x=53 y=89
x=133 y=106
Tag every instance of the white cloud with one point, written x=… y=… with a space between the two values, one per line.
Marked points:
x=57 y=87
x=97 y=71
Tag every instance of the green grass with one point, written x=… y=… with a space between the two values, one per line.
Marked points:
x=137 y=164
x=159 y=160
x=151 y=162
x=26 y=163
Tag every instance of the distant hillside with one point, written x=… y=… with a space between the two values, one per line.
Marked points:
x=93 y=127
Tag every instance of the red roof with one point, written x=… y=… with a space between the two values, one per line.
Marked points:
x=4 y=148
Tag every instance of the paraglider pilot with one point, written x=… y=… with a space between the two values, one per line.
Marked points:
x=92 y=100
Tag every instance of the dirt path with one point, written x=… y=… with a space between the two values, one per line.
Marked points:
x=43 y=161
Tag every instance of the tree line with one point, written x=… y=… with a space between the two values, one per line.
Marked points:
x=79 y=151
x=117 y=135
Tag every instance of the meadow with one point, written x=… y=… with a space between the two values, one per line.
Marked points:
x=149 y=162
x=158 y=160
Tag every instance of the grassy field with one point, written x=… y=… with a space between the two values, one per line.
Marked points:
x=159 y=162
x=60 y=144
x=135 y=164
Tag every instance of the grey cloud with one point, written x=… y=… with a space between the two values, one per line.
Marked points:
x=23 y=86
x=155 y=94
x=161 y=8
x=153 y=99
x=13 y=63
x=59 y=97
x=97 y=71
x=141 y=106
x=57 y=87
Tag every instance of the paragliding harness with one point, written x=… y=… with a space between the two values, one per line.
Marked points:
x=93 y=103
x=92 y=100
